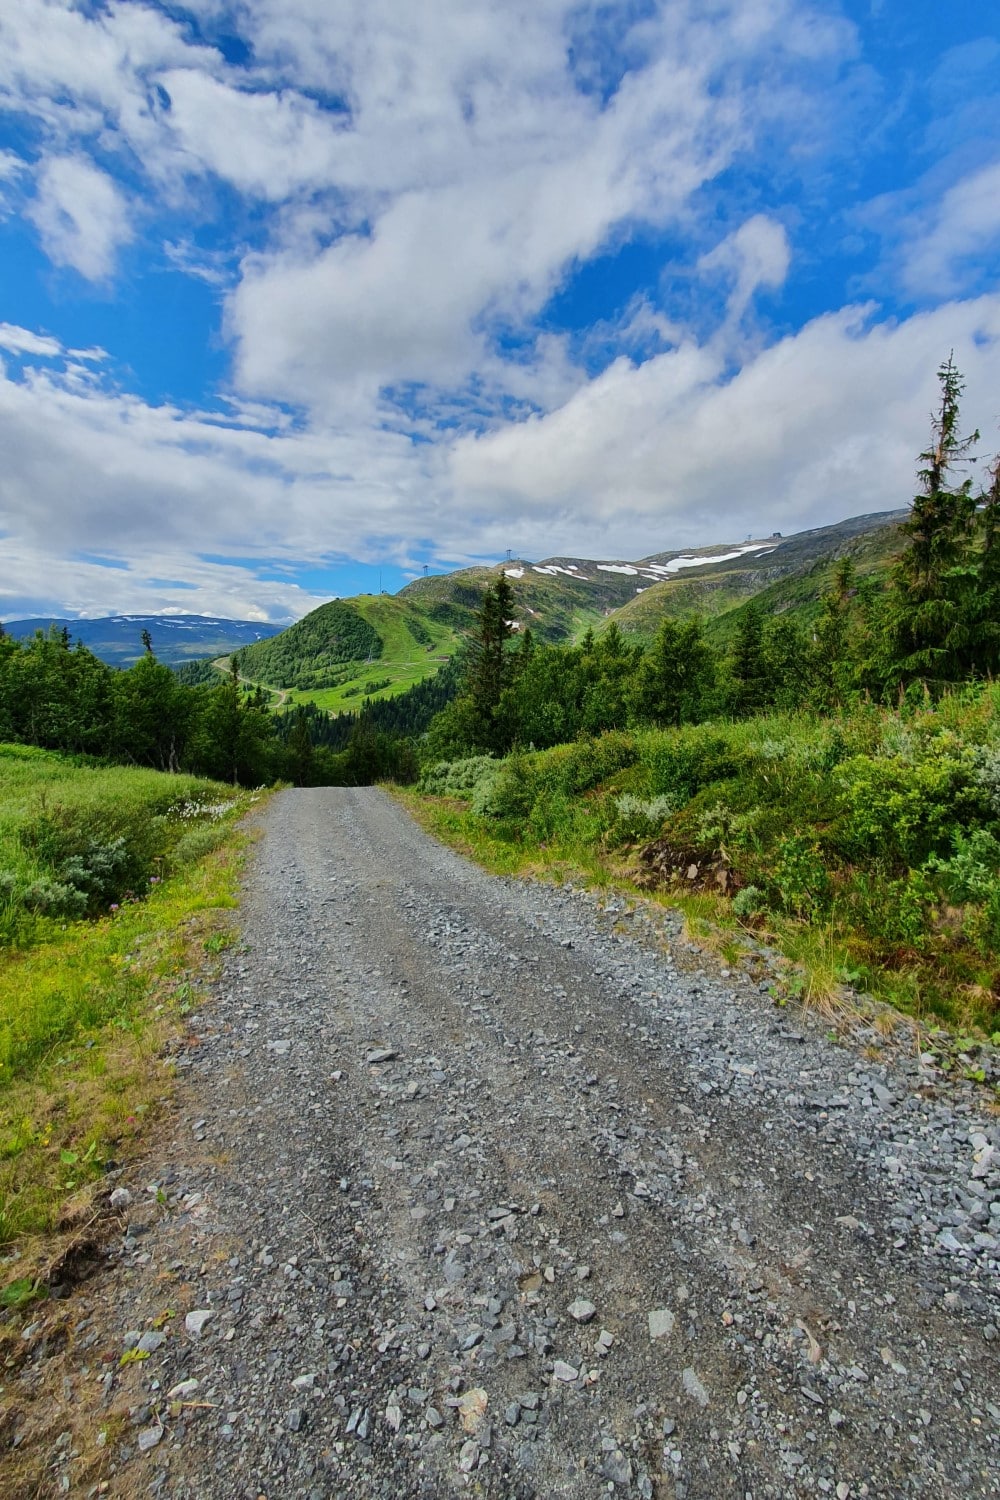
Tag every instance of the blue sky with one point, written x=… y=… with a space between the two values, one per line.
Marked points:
x=299 y=296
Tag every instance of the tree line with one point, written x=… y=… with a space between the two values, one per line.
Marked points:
x=934 y=622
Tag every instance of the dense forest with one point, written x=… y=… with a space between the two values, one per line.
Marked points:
x=57 y=695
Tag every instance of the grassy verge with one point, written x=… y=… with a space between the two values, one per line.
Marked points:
x=866 y=848
x=88 y=1005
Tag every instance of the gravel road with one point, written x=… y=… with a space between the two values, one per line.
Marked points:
x=482 y=1187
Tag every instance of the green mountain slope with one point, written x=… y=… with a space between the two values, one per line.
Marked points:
x=378 y=645
x=558 y=599
x=790 y=573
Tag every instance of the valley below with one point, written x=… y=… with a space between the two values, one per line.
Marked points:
x=487 y=1187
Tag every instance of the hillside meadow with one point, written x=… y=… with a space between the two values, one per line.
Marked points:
x=115 y=885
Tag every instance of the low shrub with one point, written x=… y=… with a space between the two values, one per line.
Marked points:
x=457 y=778
x=54 y=898
x=509 y=792
x=748 y=903
x=900 y=809
x=683 y=762
x=633 y=818
x=800 y=876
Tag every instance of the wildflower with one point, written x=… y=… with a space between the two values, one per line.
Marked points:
x=113 y=906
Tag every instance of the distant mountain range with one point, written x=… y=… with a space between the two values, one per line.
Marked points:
x=117 y=639
x=378 y=645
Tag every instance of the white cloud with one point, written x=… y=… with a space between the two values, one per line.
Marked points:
x=478 y=186
x=671 y=453
x=755 y=255
x=965 y=223
x=23 y=341
x=824 y=424
x=264 y=144
x=402 y=245
x=36 y=583
x=81 y=216
x=11 y=166
x=89 y=471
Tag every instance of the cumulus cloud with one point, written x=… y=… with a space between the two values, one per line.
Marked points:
x=81 y=216
x=478 y=188
x=824 y=424
x=413 y=186
x=89 y=471
x=641 y=458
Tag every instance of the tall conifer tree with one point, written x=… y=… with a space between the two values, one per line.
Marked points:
x=934 y=579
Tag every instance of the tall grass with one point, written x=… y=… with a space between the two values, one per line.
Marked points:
x=94 y=973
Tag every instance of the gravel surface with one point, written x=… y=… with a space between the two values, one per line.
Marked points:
x=486 y=1187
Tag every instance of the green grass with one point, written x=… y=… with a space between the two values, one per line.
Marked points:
x=86 y=1005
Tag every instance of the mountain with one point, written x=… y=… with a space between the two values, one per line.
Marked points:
x=379 y=645
x=375 y=645
x=785 y=573
x=117 y=639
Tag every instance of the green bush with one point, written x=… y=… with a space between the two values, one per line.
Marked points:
x=987 y=773
x=890 y=909
x=194 y=843
x=100 y=871
x=681 y=763
x=971 y=876
x=900 y=810
x=54 y=898
x=457 y=778
x=749 y=902
x=800 y=876
x=972 y=870
x=589 y=762
x=509 y=793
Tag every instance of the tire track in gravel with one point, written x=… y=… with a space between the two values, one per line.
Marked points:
x=456 y=1139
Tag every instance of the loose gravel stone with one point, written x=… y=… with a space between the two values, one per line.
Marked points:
x=581 y=1311
x=661 y=1323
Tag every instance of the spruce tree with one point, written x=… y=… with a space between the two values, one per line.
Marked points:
x=675 y=674
x=490 y=663
x=749 y=666
x=832 y=658
x=987 y=623
x=934 y=578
